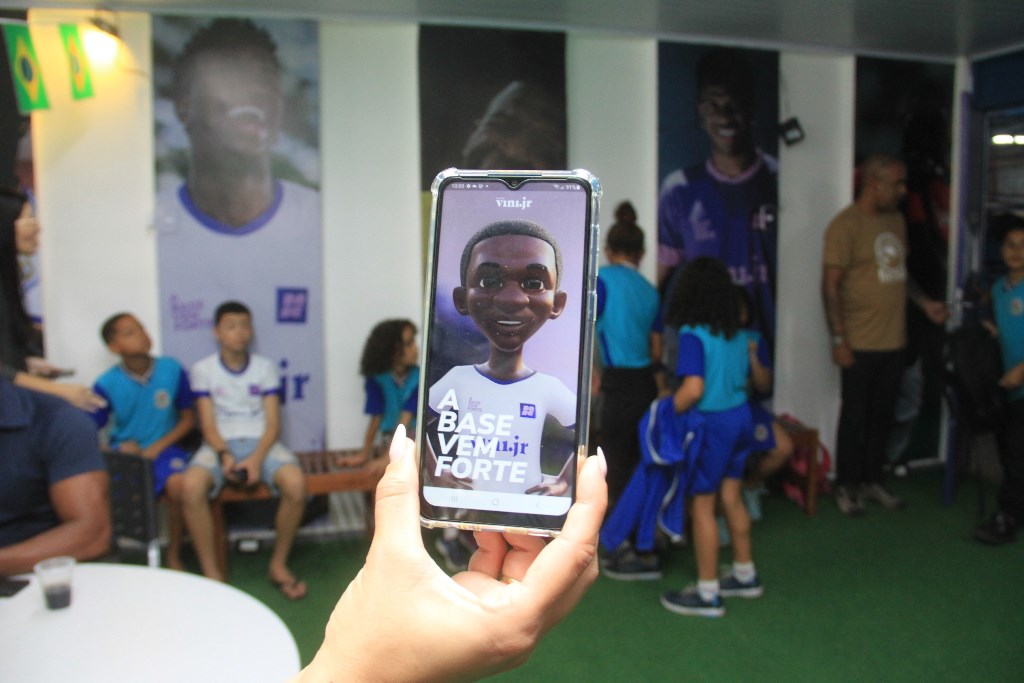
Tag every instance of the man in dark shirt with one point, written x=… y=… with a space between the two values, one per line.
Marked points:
x=53 y=481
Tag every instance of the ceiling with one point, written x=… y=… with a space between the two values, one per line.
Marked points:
x=930 y=29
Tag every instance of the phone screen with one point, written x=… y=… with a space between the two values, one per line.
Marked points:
x=506 y=356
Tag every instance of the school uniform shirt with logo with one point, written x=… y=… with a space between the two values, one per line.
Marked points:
x=1008 y=304
x=871 y=250
x=145 y=408
x=237 y=396
x=527 y=401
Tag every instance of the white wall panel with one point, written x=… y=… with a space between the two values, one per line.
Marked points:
x=815 y=182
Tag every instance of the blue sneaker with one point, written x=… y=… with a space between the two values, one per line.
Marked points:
x=691 y=603
x=456 y=555
x=731 y=587
x=628 y=566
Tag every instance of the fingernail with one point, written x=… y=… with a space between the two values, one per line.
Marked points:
x=397 y=443
x=602 y=463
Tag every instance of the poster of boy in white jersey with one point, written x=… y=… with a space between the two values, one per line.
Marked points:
x=501 y=411
x=238 y=209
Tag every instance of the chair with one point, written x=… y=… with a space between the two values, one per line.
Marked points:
x=133 y=503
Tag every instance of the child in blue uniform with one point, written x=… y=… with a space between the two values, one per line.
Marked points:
x=713 y=366
x=152 y=406
x=770 y=445
x=1008 y=307
x=392 y=381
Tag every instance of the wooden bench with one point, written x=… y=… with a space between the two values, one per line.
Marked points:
x=322 y=476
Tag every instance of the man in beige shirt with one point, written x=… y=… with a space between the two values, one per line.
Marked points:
x=865 y=288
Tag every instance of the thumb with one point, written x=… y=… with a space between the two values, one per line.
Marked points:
x=397 y=507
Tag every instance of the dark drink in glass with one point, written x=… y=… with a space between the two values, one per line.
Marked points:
x=58 y=597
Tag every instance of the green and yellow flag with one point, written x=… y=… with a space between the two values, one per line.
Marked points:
x=81 y=75
x=28 y=78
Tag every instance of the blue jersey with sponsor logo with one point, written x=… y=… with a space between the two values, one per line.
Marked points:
x=144 y=408
x=704 y=213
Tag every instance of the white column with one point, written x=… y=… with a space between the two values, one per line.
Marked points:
x=815 y=182
x=612 y=92
x=370 y=147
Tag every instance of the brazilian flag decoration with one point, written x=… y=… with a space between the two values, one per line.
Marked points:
x=81 y=76
x=28 y=78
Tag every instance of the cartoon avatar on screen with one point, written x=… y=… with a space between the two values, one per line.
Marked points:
x=493 y=425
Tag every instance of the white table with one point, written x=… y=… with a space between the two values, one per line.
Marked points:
x=138 y=624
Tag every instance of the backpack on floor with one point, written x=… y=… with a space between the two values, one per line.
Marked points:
x=973 y=367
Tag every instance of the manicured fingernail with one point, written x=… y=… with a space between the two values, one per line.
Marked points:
x=602 y=463
x=397 y=443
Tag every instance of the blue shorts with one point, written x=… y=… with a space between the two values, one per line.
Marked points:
x=277 y=457
x=171 y=460
x=725 y=449
x=762 y=436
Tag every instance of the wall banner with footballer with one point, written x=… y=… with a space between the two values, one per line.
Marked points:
x=717 y=117
x=238 y=207
x=503 y=110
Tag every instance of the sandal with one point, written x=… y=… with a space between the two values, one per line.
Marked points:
x=293 y=589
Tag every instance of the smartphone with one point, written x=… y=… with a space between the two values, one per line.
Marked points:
x=10 y=587
x=505 y=362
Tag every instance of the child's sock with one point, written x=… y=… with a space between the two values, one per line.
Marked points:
x=744 y=571
x=708 y=589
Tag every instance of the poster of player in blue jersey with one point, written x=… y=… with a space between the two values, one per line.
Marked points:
x=237 y=211
x=718 y=114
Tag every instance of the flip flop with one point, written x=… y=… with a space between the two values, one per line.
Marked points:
x=295 y=589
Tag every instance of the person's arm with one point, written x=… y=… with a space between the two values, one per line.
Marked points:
x=690 y=367
x=1013 y=378
x=77 y=395
x=372 y=427
x=185 y=424
x=688 y=393
x=936 y=311
x=82 y=506
x=403 y=619
x=211 y=435
x=831 y=281
x=657 y=346
x=363 y=456
x=760 y=374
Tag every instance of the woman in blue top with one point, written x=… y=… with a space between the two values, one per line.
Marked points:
x=714 y=365
x=392 y=380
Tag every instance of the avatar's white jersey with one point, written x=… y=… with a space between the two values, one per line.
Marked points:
x=503 y=421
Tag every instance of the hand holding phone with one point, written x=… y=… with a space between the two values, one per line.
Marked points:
x=517 y=589
x=506 y=356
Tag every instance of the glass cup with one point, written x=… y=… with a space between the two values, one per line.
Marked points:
x=54 y=576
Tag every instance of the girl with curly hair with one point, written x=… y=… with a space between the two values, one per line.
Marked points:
x=714 y=366
x=392 y=378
